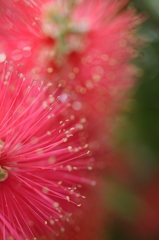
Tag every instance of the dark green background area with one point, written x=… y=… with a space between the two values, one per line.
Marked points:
x=140 y=135
x=144 y=113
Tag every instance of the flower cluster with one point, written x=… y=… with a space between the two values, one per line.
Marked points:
x=84 y=45
x=71 y=71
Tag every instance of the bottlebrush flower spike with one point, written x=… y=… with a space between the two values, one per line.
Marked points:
x=44 y=159
x=84 y=45
x=85 y=41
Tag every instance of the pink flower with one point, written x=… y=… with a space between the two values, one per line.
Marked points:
x=45 y=160
x=86 y=46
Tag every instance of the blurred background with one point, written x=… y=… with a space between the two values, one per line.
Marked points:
x=132 y=196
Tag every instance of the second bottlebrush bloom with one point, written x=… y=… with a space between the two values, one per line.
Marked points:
x=84 y=45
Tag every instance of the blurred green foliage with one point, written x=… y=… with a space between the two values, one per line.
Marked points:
x=122 y=201
x=142 y=133
x=139 y=125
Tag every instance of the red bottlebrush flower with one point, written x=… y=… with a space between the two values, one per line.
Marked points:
x=44 y=160
x=84 y=45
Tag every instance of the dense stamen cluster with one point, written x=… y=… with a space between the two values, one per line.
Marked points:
x=42 y=150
